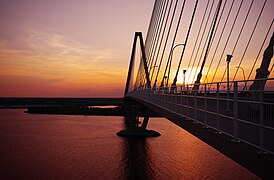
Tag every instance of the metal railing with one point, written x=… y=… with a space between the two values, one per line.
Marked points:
x=244 y=115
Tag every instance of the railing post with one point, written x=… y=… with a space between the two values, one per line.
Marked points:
x=168 y=100
x=261 y=114
x=175 y=100
x=218 y=106
x=195 y=105
x=227 y=96
x=163 y=94
x=205 y=107
x=181 y=101
x=171 y=101
x=235 y=112
x=187 y=108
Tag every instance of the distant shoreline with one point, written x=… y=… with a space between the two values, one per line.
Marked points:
x=115 y=111
x=23 y=103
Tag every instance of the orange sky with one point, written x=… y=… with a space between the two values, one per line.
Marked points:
x=68 y=48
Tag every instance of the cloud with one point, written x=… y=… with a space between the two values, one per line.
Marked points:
x=47 y=47
x=55 y=58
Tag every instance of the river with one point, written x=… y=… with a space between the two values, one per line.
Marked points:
x=34 y=146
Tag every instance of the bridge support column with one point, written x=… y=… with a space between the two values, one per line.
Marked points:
x=145 y=122
x=133 y=111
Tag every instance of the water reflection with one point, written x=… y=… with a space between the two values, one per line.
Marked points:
x=137 y=159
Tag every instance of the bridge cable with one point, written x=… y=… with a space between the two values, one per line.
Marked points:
x=205 y=43
x=185 y=43
x=228 y=37
x=201 y=39
x=210 y=41
x=154 y=60
x=162 y=37
x=167 y=37
x=220 y=37
x=150 y=45
x=155 y=26
x=150 y=24
x=154 y=16
x=139 y=75
x=148 y=36
x=260 y=50
x=214 y=37
x=249 y=40
x=197 y=37
x=240 y=33
x=174 y=38
x=156 y=34
x=209 y=46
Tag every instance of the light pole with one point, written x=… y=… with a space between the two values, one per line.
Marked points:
x=184 y=80
x=152 y=67
x=228 y=59
x=243 y=74
x=171 y=54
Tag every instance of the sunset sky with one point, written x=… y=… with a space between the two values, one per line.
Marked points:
x=72 y=48
x=68 y=48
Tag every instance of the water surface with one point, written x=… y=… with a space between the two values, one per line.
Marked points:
x=37 y=146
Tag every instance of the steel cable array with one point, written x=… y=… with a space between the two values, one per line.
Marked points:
x=219 y=40
x=167 y=37
x=260 y=51
x=197 y=53
x=255 y=26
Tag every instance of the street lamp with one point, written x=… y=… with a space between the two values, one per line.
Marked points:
x=175 y=47
x=152 y=67
x=239 y=67
x=169 y=58
x=175 y=78
x=228 y=59
x=184 y=80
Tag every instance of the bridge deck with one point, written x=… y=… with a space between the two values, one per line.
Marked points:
x=240 y=128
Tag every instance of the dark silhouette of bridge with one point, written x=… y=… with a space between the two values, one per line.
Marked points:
x=235 y=116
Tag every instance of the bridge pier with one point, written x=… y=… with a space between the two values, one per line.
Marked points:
x=133 y=111
x=145 y=122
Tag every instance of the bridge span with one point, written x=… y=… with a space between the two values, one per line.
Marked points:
x=238 y=126
x=234 y=115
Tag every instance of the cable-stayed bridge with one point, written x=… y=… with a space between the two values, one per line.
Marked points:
x=207 y=67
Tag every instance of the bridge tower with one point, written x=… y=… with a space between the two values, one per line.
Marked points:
x=133 y=109
x=263 y=72
x=132 y=61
